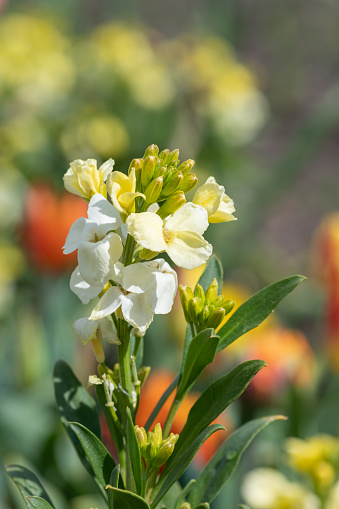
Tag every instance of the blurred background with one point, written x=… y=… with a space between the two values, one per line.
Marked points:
x=249 y=90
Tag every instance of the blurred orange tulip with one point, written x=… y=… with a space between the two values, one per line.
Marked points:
x=47 y=220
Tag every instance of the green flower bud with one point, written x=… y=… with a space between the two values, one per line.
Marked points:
x=165 y=450
x=157 y=434
x=185 y=505
x=195 y=306
x=143 y=374
x=153 y=190
x=164 y=154
x=215 y=318
x=205 y=313
x=173 y=183
x=136 y=164
x=212 y=292
x=173 y=156
x=218 y=301
x=152 y=150
x=152 y=447
x=186 y=294
x=147 y=172
x=173 y=203
x=228 y=305
x=189 y=181
x=141 y=438
x=186 y=166
x=199 y=292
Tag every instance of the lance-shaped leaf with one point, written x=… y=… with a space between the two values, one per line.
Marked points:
x=39 y=503
x=28 y=484
x=221 y=467
x=254 y=311
x=201 y=352
x=75 y=404
x=184 y=493
x=114 y=482
x=212 y=402
x=212 y=270
x=182 y=460
x=99 y=458
x=133 y=452
x=123 y=499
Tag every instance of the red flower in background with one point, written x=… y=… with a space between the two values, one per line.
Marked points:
x=47 y=220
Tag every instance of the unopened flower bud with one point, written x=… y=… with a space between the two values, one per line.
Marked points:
x=215 y=318
x=173 y=156
x=186 y=294
x=147 y=172
x=152 y=447
x=195 y=306
x=186 y=166
x=143 y=374
x=136 y=164
x=157 y=434
x=173 y=203
x=153 y=190
x=205 y=313
x=165 y=450
x=212 y=292
x=218 y=301
x=228 y=305
x=141 y=437
x=173 y=183
x=199 y=292
x=189 y=181
x=185 y=505
x=152 y=150
x=164 y=154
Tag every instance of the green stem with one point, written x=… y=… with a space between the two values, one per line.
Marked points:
x=170 y=418
x=129 y=250
x=124 y=356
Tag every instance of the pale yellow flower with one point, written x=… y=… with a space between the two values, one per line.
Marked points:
x=180 y=234
x=84 y=179
x=121 y=189
x=212 y=197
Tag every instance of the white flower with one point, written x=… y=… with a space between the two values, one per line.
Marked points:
x=87 y=330
x=265 y=488
x=180 y=234
x=98 y=247
x=144 y=289
x=212 y=197
x=84 y=179
x=82 y=289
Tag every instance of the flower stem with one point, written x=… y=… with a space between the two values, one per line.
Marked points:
x=129 y=250
x=170 y=418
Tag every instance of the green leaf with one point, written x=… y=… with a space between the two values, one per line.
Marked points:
x=123 y=499
x=182 y=460
x=212 y=270
x=27 y=483
x=201 y=352
x=213 y=401
x=161 y=402
x=254 y=311
x=114 y=482
x=99 y=458
x=171 y=496
x=134 y=452
x=221 y=467
x=39 y=503
x=184 y=493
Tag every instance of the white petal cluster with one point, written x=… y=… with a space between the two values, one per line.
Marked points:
x=98 y=246
x=143 y=289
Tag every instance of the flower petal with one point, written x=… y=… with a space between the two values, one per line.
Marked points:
x=209 y=196
x=101 y=211
x=137 y=278
x=107 y=331
x=74 y=236
x=108 y=303
x=106 y=168
x=189 y=250
x=82 y=289
x=85 y=330
x=224 y=212
x=165 y=290
x=146 y=228
x=136 y=311
x=96 y=259
x=190 y=218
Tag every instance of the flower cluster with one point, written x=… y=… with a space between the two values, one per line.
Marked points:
x=131 y=218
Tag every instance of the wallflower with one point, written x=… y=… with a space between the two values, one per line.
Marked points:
x=121 y=189
x=89 y=331
x=98 y=247
x=83 y=177
x=144 y=289
x=265 y=488
x=180 y=234
x=212 y=197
